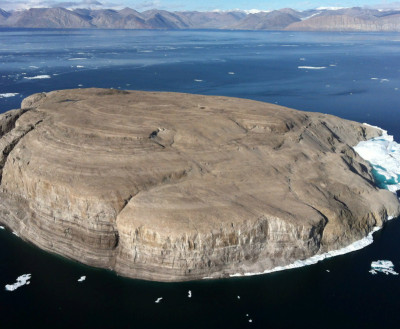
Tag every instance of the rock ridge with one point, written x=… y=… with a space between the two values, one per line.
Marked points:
x=174 y=187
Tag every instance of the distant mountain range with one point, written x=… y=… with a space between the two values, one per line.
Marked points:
x=347 y=19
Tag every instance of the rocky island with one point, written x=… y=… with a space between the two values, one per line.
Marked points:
x=173 y=187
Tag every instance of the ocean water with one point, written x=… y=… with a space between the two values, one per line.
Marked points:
x=352 y=75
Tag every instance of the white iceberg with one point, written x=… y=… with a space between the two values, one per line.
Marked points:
x=190 y=294
x=5 y=95
x=312 y=67
x=21 y=281
x=383 y=266
x=82 y=278
x=158 y=300
x=44 y=76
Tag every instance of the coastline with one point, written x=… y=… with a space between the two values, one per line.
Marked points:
x=359 y=244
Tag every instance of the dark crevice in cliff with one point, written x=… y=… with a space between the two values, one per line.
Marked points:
x=9 y=119
x=349 y=162
x=13 y=137
x=116 y=240
x=126 y=201
x=317 y=232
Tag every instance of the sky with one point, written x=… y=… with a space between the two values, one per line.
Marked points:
x=203 y=5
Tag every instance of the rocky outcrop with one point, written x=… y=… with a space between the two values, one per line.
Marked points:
x=168 y=187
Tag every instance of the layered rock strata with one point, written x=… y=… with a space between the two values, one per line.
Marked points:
x=169 y=187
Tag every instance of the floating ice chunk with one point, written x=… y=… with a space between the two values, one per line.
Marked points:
x=374 y=78
x=33 y=67
x=231 y=73
x=77 y=59
x=44 y=76
x=332 y=65
x=238 y=297
x=80 y=85
x=384 y=155
x=383 y=266
x=82 y=278
x=373 y=272
x=190 y=294
x=2 y=228
x=384 y=80
x=158 y=300
x=198 y=80
x=312 y=67
x=15 y=233
x=328 y=271
x=80 y=66
x=302 y=59
x=21 y=281
x=5 y=95
x=250 y=320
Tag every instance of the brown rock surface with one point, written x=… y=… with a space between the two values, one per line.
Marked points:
x=166 y=186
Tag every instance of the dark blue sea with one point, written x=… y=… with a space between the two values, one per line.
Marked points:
x=352 y=75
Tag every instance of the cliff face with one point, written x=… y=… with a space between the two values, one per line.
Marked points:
x=165 y=186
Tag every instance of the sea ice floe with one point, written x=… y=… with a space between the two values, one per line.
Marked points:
x=2 y=228
x=312 y=67
x=82 y=278
x=190 y=294
x=21 y=281
x=238 y=297
x=198 y=80
x=383 y=153
x=77 y=59
x=33 y=67
x=231 y=73
x=384 y=80
x=5 y=95
x=44 y=76
x=383 y=266
x=80 y=66
x=158 y=300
